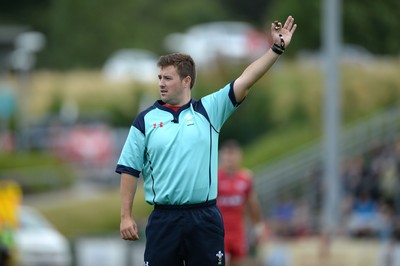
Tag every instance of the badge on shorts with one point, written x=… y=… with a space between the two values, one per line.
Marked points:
x=219 y=256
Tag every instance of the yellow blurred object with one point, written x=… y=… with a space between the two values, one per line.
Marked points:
x=10 y=200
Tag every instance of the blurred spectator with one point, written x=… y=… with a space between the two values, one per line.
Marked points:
x=388 y=219
x=282 y=216
x=352 y=174
x=302 y=221
x=291 y=218
x=7 y=142
x=365 y=219
x=237 y=198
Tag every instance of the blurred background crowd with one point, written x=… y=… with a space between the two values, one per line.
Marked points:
x=369 y=201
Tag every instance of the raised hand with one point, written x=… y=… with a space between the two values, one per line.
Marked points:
x=282 y=35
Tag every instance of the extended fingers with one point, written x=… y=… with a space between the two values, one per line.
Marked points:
x=293 y=28
x=289 y=24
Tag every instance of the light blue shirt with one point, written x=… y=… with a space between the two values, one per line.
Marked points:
x=177 y=152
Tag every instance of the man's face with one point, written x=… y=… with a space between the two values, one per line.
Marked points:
x=173 y=90
x=230 y=158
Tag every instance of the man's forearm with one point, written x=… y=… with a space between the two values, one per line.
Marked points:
x=128 y=190
x=254 y=208
x=281 y=36
x=253 y=73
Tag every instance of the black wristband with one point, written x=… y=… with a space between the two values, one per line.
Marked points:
x=276 y=49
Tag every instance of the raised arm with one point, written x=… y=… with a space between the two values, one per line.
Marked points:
x=281 y=35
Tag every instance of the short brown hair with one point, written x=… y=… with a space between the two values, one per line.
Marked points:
x=231 y=144
x=184 y=64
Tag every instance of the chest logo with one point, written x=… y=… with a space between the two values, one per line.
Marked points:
x=189 y=120
x=155 y=125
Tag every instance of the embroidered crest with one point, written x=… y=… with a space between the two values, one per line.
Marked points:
x=219 y=256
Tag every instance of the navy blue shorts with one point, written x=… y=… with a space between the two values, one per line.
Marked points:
x=190 y=235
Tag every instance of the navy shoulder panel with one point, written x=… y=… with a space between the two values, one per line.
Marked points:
x=139 y=120
x=199 y=108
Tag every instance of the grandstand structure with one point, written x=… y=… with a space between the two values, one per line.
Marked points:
x=298 y=173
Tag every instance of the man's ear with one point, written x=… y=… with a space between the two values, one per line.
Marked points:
x=187 y=81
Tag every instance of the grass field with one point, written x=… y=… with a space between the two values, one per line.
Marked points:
x=88 y=214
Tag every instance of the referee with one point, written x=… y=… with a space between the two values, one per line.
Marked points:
x=174 y=145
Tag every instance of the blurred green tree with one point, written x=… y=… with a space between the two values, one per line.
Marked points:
x=84 y=33
x=26 y=13
x=373 y=26
x=249 y=11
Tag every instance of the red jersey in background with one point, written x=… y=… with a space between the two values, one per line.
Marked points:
x=233 y=191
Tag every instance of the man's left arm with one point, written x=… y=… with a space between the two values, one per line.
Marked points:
x=254 y=208
x=281 y=36
x=255 y=215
